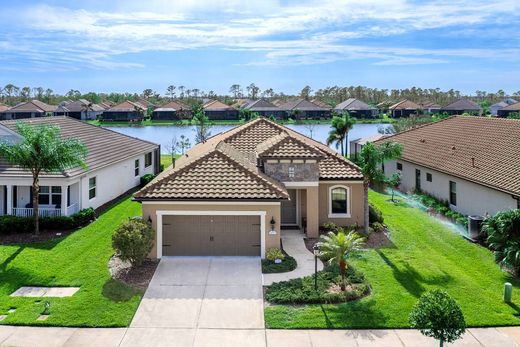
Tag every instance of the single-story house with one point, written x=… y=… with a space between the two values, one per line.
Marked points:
x=493 y=109
x=265 y=108
x=320 y=103
x=356 y=145
x=304 y=109
x=126 y=111
x=404 y=108
x=216 y=110
x=430 y=107
x=4 y=107
x=356 y=108
x=509 y=110
x=174 y=110
x=470 y=162
x=28 y=109
x=462 y=106
x=278 y=102
x=115 y=162
x=80 y=109
x=232 y=194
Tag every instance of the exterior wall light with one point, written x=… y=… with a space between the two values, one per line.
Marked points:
x=273 y=223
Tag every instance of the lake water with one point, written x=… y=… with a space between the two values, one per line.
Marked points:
x=164 y=134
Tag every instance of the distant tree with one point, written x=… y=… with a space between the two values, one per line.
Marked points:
x=25 y=93
x=170 y=91
x=310 y=128
x=235 y=90
x=148 y=93
x=201 y=121
x=341 y=125
x=42 y=150
x=48 y=95
x=10 y=91
x=73 y=94
x=212 y=95
x=181 y=91
x=38 y=93
x=195 y=92
x=336 y=248
x=438 y=315
x=306 y=92
x=393 y=182
x=252 y=91
x=184 y=144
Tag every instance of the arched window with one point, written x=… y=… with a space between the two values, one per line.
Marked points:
x=339 y=206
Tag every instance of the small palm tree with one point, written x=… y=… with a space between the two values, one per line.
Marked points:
x=336 y=248
x=341 y=125
x=41 y=150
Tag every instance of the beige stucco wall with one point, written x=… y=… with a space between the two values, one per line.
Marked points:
x=149 y=211
x=355 y=200
x=472 y=198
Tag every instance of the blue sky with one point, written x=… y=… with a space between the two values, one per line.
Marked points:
x=122 y=46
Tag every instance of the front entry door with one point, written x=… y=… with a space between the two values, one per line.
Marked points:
x=289 y=208
x=418 y=180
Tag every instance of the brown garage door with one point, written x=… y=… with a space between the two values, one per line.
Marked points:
x=211 y=235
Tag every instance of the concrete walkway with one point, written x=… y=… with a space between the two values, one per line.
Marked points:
x=293 y=244
x=172 y=337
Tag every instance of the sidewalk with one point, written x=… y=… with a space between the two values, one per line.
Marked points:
x=112 y=337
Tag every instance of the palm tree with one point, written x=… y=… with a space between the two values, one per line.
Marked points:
x=42 y=149
x=341 y=125
x=336 y=248
x=372 y=159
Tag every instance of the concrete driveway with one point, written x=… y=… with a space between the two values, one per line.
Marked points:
x=203 y=292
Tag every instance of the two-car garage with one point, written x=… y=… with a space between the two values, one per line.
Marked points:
x=211 y=235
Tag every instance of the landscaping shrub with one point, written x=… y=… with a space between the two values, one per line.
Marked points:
x=441 y=207
x=503 y=238
x=329 y=226
x=57 y=223
x=14 y=224
x=274 y=253
x=375 y=215
x=301 y=290
x=145 y=179
x=378 y=227
x=133 y=240
x=288 y=264
x=83 y=217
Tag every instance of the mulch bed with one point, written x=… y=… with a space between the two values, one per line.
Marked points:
x=138 y=277
x=374 y=240
x=17 y=238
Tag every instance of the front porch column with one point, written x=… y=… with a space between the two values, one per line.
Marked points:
x=9 y=192
x=313 y=223
x=64 y=202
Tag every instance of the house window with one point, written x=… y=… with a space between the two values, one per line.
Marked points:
x=92 y=187
x=428 y=177
x=50 y=195
x=399 y=166
x=291 y=172
x=453 y=193
x=136 y=168
x=339 y=202
x=147 y=159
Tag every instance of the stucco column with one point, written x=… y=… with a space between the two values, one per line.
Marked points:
x=313 y=223
x=9 y=192
x=64 y=200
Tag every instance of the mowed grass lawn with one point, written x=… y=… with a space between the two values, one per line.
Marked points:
x=426 y=255
x=77 y=260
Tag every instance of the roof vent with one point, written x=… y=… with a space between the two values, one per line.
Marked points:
x=453 y=148
x=422 y=140
x=473 y=162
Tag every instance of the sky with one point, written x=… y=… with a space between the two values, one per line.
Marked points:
x=128 y=46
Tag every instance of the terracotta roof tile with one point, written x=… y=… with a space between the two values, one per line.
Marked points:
x=252 y=134
x=449 y=146
x=285 y=146
x=463 y=104
x=405 y=105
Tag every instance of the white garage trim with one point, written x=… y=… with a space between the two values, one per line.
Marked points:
x=161 y=213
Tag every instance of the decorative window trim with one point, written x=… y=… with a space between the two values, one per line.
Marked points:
x=339 y=215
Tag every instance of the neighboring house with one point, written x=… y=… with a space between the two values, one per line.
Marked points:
x=4 y=107
x=470 y=162
x=304 y=109
x=356 y=108
x=462 y=106
x=231 y=194
x=509 y=110
x=80 y=109
x=430 y=107
x=357 y=145
x=320 y=103
x=265 y=108
x=28 y=109
x=174 y=110
x=278 y=102
x=216 y=110
x=404 y=108
x=115 y=163
x=127 y=111
x=493 y=109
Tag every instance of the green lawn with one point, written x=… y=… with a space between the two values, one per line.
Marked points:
x=426 y=254
x=77 y=260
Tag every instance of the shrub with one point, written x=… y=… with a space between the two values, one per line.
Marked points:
x=13 y=224
x=503 y=238
x=145 y=179
x=378 y=227
x=375 y=215
x=133 y=240
x=329 y=226
x=274 y=253
x=438 y=315
x=57 y=223
x=287 y=264
x=83 y=217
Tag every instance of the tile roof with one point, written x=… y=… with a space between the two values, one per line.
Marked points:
x=216 y=105
x=33 y=106
x=463 y=104
x=126 y=106
x=177 y=105
x=4 y=107
x=239 y=148
x=320 y=103
x=104 y=146
x=405 y=105
x=303 y=105
x=353 y=104
x=261 y=105
x=450 y=145
x=512 y=107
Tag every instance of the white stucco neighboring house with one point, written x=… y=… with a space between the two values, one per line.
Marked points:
x=115 y=165
x=473 y=163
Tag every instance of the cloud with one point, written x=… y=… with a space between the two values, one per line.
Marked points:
x=297 y=32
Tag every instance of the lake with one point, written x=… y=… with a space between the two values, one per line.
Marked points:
x=164 y=134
